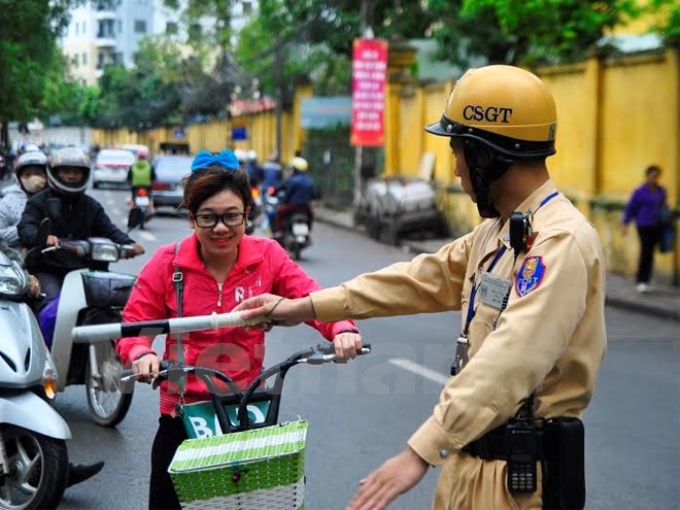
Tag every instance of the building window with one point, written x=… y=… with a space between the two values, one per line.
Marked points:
x=140 y=26
x=195 y=31
x=84 y=27
x=84 y=59
x=247 y=8
x=171 y=28
x=74 y=59
x=120 y=27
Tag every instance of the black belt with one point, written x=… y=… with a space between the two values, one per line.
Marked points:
x=493 y=445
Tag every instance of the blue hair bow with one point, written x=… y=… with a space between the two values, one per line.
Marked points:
x=204 y=159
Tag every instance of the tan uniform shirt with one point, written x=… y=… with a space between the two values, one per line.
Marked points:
x=550 y=338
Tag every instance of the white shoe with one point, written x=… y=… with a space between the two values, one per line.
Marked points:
x=643 y=288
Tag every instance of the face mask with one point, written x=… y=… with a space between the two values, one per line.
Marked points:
x=34 y=183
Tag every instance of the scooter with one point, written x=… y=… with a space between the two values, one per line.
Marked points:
x=142 y=201
x=94 y=296
x=296 y=235
x=34 y=461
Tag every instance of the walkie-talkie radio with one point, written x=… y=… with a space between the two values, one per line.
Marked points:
x=521 y=440
x=520 y=230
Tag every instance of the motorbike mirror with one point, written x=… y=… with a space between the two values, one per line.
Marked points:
x=44 y=231
x=54 y=207
x=135 y=218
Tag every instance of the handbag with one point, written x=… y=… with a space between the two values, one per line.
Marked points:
x=667 y=240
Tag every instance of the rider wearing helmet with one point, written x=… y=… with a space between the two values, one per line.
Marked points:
x=141 y=174
x=73 y=215
x=298 y=192
x=30 y=171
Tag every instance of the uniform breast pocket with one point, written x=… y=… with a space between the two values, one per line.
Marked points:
x=481 y=326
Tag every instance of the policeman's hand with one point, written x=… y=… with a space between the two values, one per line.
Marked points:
x=147 y=366
x=276 y=310
x=52 y=241
x=396 y=476
x=347 y=346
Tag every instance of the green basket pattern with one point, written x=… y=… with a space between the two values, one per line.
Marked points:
x=261 y=468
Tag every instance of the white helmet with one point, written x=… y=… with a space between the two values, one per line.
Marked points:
x=241 y=155
x=252 y=155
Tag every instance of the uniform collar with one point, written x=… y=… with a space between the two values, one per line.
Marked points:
x=530 y=204
x=188 y=255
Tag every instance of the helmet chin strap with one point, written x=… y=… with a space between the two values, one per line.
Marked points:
x=485 y=166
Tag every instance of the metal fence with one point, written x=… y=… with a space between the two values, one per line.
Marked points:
x=331 y=162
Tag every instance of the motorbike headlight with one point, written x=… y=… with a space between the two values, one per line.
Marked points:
x=13 y=281
x=105 y=252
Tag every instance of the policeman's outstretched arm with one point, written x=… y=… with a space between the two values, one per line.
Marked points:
x=277 y=310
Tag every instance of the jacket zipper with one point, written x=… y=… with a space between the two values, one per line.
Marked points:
x=219 y=294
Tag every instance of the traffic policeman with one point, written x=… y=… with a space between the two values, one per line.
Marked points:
x=529 y=281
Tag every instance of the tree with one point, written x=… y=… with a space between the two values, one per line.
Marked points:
x=29 y=31
x=528 y=32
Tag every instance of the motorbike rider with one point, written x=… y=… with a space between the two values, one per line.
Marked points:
x=31 y=175
x=297 y=192
x=141 y=175
x=77 y=472
x=73 y=214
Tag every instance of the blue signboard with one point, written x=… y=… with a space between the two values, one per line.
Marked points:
x=239 y=133
x=320 y=112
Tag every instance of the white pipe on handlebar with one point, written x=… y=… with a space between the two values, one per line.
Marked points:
x=114 y=331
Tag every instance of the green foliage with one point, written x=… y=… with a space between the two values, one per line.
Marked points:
x=29 y=59
x=525 y=32
x=667 y=20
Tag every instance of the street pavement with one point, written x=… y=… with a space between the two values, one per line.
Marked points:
x=663 y=302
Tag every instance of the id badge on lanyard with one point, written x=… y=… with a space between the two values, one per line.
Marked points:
x=493 y=291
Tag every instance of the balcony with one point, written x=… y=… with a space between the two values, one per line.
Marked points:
x=105 y=40
x=105 y=14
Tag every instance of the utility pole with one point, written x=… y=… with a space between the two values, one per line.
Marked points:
x=279 y=95
x=367 y=33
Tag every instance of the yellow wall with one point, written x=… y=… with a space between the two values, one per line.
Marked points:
x=615 y=118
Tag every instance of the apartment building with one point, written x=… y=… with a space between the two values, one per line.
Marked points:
x=104 y=32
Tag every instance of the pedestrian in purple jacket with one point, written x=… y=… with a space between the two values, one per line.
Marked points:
x=646 y=207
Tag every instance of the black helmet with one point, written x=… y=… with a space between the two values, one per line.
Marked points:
x=69 y=157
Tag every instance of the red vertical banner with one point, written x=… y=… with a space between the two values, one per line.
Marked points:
x=369 y=76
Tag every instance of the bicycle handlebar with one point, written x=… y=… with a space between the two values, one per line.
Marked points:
x=323 y=353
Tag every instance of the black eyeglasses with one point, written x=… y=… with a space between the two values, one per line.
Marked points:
x=230 y=219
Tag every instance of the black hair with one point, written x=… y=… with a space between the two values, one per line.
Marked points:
x=202 y=184
x=652 y=169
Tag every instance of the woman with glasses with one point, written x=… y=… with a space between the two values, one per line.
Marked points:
x=218 y=266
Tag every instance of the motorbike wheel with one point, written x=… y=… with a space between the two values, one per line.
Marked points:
x=108 y=401
x=297 y=251
x=38 y=470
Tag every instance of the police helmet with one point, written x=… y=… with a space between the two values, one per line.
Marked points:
x=28 y=160
x=506 y=108
x=252 y=155
x=299 y=164
x=73 y=158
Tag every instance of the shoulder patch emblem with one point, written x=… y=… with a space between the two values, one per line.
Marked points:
x=530 y=275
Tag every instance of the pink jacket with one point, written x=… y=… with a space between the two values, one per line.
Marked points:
x=262 y=266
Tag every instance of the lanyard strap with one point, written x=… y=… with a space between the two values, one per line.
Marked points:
x=472 y=310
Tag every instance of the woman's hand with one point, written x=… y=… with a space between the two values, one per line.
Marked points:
x=272 y=309
x=347 y=346
x=147 y=366
x=33 y=286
